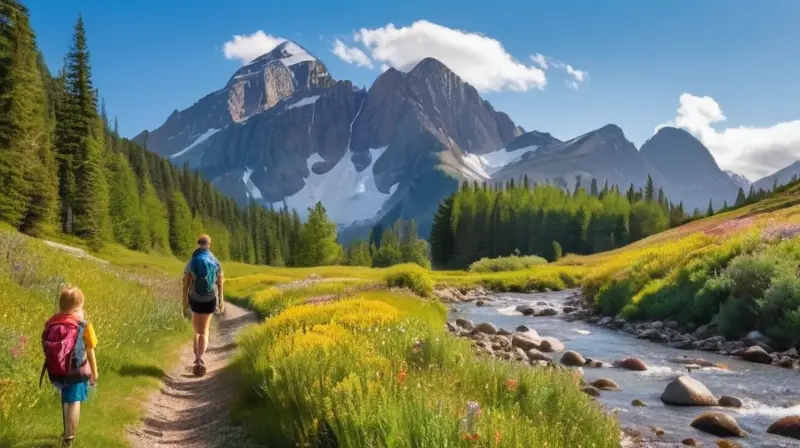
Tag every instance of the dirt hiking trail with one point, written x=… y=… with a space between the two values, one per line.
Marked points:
x=194 y=412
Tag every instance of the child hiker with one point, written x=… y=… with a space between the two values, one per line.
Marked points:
x=68 y=342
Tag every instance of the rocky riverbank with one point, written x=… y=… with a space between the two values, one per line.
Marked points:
x=755 y=347
x=607 y=380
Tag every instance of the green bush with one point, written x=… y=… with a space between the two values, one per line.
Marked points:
x=503 y=264
x=736 y=317
x=412 y=277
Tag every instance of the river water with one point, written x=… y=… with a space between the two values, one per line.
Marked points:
x=768 y=392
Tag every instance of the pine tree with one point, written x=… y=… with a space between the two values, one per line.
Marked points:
x=578 y=185
x=389 y=253
x=27 y=196
x=649 y=189
x=710 y=209
x=631 y=194
x=181 y=233
x=725 y=205
x=358 y=254
x=441 y=237
x=414 y=249
x=593 y=188
x=318 y=246
x=125 y=210
x=741 y=199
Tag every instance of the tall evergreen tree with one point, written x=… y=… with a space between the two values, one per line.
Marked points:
x=649 y=189
x=181 y=231
x=593 y=189
x=741 y=199
x=318 y=246
x=710 y=209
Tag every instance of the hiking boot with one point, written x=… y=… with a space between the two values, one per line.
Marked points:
x=199 y=367
x=67 y=442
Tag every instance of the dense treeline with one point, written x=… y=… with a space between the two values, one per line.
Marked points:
x=64 y=168
x=481 y=221
x=397 y=244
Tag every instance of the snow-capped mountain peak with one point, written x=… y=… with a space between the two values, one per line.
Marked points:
x=739 y=179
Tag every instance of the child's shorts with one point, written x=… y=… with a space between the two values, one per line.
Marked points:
x=75 y=392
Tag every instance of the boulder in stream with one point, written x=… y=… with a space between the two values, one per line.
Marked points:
x=549 y=345
x=634 y=364
x=730 y=402
x=786 y=427
x=757 y=354
x=591 y=391
x=526 y=310
x=536 y=355
x=687 y=391
x=525 y=341
x=547 y=312
x=638 y=403
x=718 y=424
x=605 y=384
x=485 y=327
x=465 y=324
x=572 y=359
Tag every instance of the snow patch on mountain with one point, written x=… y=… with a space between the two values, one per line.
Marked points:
x=347 y=195
x=738 y=179
x=203 y=137
x=307 y=101
x=296 y=54
x=496 y=160
x=252 y=190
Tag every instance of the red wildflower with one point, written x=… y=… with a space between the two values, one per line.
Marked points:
x=401 y=376
x=511 y=384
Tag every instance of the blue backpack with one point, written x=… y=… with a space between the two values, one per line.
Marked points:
x=203 y=267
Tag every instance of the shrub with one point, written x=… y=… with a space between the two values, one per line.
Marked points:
x=412 y=277
x=736 y=317
x=503 y=264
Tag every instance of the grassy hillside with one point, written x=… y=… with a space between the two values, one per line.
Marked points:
x=341 y=363
x=134 y=306
x=737 y=268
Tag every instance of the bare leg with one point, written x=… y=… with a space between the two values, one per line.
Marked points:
x=201 y=324
x=71 y=413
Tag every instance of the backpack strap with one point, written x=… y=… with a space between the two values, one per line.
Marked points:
x=41 y=376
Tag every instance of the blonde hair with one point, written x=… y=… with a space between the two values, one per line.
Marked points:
x=70 y=299
x=204 y=240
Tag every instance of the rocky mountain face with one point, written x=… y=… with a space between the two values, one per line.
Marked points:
x=284 y=133
x=690 y=172
x=782 y=176
x=603 y=154
x=739 y=179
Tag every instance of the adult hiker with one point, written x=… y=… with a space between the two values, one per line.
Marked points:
x=202 y=294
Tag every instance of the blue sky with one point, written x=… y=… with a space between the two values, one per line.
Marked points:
x=151 y=57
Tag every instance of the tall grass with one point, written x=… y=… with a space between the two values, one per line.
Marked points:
x=503 y=264
x=377 y=369
x=137 y=320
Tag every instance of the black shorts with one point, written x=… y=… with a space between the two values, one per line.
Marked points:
x=203 y=307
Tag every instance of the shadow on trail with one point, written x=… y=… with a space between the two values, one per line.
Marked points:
x=141 y=370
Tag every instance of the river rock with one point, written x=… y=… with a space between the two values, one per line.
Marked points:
x=682 y=343
x=572 y=359
x=605 y=384
x=536 y=355
x=687 y=391
x=757 y=354
x=792 y=353
x=629 y=328
x=451 y=326
x=704 y=331
x=786 y=362
x=718 y=424
x=634 y=364
x=485 y=327
x=689 y=442
x=480 y=303
x=671 y=324
x=605 y=321
x=691 y=360
x=657 y=325
x=567 y=309
x=723 y=443
x=651 y=334
x=712 y=344
x=520 y=355
x=591 y=391
x=541 y=303
x=757 y=338
x=465 y=324
x=524 y=341
x=526 y=310
x=449 y=295
x=547 y=312
x=522 y=329
x=786 y=427
x=727 y=401
x=549 y=345
x=638 y=403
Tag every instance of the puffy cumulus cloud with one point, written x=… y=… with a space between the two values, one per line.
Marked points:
x=479 y=60
x=247 y=48
x=752 y=151
x=351 y=55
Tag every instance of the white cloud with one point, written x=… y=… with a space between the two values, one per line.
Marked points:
x=752 y=151
x=540 y=60
x=479 y=60
x=351 y=55
x=247 y=48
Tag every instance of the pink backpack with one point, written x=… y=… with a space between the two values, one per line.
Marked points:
x=64 y=351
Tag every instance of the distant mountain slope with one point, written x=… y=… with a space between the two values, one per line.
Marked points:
x=782 y=176
x=739 y=179
x=689 y=170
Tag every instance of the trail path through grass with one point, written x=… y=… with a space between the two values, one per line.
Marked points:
x=194 y=412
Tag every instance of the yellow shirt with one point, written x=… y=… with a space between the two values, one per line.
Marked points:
x=89 y=337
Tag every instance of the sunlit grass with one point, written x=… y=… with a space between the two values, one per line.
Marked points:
x=136 y=314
